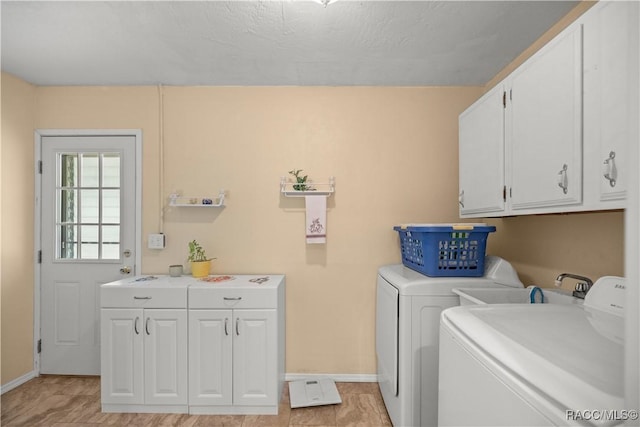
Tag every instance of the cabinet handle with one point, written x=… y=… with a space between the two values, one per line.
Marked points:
x=611 y=171
x=237 y=322
x=146 y=326
x=461 y=199
x=563 y=180
x=232 y=299
x=135 y=325
x=226 y=324
x=141 y=297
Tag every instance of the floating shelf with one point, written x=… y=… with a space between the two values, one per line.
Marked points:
x=196 y=202
x=318 y=189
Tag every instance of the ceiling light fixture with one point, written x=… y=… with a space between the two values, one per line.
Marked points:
x=325 y=3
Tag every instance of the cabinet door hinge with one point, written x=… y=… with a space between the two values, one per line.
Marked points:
x=39 y=346
x=40 y=167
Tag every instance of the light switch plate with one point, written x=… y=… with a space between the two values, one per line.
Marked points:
x=156 y=241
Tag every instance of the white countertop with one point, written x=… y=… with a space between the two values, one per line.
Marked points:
x=229 y=281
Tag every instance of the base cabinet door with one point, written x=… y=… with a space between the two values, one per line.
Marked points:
x=165 y=354
x=144 y=356
x=210 y=353
x=254 y=358
x=122 y=379
x=233 y=358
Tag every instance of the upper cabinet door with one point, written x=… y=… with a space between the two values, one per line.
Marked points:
x=545 y=136
x=610 y=61
x=481 y=155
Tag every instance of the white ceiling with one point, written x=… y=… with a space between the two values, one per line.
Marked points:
x=389 y=43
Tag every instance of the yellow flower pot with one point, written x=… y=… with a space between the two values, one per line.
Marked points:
x=200 y=268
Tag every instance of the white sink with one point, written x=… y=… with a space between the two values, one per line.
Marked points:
x=470 y=296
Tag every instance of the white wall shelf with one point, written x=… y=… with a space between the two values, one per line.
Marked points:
x=177 y=200
x=288 y=189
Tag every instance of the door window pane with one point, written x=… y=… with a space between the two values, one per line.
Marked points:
x=90 y=170
x=68 y=207
x=110 y=242
x=88 y=206
x=111 y=170
x=68 y=170
x=90 y=239
x=110 y=206
x=68 y=244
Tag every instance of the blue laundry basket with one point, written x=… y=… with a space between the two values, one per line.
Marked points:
x=444 y=250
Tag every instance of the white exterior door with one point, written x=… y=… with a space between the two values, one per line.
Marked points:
x=88 y=237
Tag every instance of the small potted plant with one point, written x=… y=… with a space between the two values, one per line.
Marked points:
x=301 y=181
x=200 y=264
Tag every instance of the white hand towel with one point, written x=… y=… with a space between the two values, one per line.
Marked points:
x=316 y=223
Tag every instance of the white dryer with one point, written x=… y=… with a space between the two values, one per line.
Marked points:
x=536 y=364
x=408 y=311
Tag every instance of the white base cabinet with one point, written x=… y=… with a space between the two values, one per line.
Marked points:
x=144 y=353
x=222 y=352
x=236 y=349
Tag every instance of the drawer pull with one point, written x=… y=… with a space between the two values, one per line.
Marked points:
x=232 y=298
x=141 y=297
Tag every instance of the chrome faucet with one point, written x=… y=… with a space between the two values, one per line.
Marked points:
x=582 y=287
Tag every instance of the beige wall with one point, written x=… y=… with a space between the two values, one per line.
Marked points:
x=17 y=195
x=543 y=246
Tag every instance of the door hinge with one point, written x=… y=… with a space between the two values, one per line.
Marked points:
x=39 y=257
x=40 y=167
x=39 y=346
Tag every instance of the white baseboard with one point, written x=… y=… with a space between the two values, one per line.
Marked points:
x=340 y=378
x=18 y=382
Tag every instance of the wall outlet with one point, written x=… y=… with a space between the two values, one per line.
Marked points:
x=156 y=241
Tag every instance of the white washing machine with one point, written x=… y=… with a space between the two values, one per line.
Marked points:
x=535 y=364
x=408 y=311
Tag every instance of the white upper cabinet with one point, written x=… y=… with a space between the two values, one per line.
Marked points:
x=545 y=137
x=481 y=139
x=610 y=61
x=566 y=124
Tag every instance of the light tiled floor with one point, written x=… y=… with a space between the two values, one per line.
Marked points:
x=63 y=401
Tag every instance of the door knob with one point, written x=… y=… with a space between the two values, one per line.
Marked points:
x=125 y=270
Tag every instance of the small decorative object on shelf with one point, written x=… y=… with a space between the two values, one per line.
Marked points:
x=303 y=186
x=302 y=183
x=200 y=264
x=177 y=200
